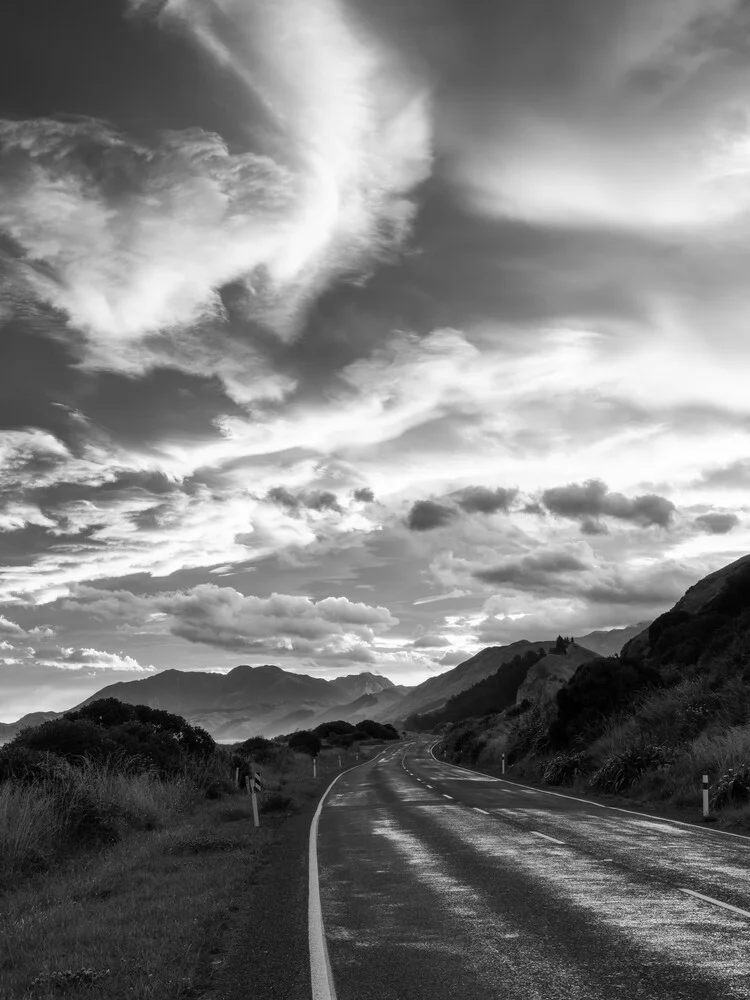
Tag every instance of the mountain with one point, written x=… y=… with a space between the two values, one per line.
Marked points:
x=251 y=701
x=547 y=676
x=610 y=642
x=435 y=691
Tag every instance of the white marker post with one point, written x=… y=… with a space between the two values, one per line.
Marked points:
x=236 y=777
x=315 y=767
x=250 y=786
x=503 y=764
x=339 y=762
x=705 y=795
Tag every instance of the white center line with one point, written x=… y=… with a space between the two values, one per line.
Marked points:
x=447 y=796
x=477 y=809
x=428 y=785
x=553 y=839
x=717 y=902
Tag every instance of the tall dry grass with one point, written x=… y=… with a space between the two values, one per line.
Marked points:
x=44 y=821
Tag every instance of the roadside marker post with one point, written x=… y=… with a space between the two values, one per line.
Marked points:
x=503 y=768
x=315 y=767
x=250 y=785
x=339 y=762
x=705 y=795
x=236 y=777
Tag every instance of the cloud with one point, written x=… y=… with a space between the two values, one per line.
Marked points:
x=592 y=499
x=424 y=515
x=480 y=500
x=364 y=495
x=228 y=619
x=72 y=658
x=143 y=241
x=648 y=131
x=431 y=642
x=717 y=523
x=11 y=628
x=537 y=568
x=313 y=500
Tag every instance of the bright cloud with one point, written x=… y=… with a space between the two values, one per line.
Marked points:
x=143 y=243
x=223 y=617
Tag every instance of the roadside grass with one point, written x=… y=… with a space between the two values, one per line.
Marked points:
x=691 y=728
x=143 y=912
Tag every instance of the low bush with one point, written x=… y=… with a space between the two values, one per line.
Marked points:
x=563 y=768
x=622 y=770
x=732 y=788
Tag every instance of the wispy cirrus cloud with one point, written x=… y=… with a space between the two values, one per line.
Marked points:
x=130 y=239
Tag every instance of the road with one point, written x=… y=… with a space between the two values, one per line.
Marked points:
x=438 y=883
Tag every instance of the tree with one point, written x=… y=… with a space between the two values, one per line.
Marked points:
x=305 y=742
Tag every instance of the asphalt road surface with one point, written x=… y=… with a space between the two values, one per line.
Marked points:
x=441 y=883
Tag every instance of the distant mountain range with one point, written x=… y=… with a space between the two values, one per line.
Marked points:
x=268 y=701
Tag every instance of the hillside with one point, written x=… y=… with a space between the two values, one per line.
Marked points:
x=647 y=723
x=433 y=693
x=548 y=675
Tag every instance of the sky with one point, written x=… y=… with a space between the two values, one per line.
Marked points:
x=350 y=336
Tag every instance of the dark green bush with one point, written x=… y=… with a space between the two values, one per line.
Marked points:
x=622 y=770
x=337 y=728
x=564 y=767
x=27 y=766
x=732 y=788
x=305 y=742
x=73 y=740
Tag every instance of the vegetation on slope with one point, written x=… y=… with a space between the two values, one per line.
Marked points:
x=124 y=836
x=492 y=694
x=647 y=724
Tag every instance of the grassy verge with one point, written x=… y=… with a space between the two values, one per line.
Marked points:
x=625 y=766
x=146 y=915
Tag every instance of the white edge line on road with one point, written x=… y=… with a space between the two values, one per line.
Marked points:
x=599 y=805
x=716 y=902
x=477 y=809
x=321 y=977
x=554 y=840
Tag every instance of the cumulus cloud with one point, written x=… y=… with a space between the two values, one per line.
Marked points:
x=424 y=515
x=80 y=658
x=481 y=500
x=593 y=499
x=537 y=568
x=364 y=495
x=431 y=642
x=142 y=242
x=8 y=627
x=717 y=523
x=312 y=500
x=224 y=617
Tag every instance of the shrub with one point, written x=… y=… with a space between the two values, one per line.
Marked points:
x=338 y=728
x=73 y=740
x=28 y=767
x=564 y=767
x=732 y=788
x=305 y=742
x=622 y=770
